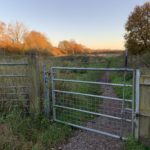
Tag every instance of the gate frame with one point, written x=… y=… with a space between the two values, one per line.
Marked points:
x=135 y=96
x=137 y=103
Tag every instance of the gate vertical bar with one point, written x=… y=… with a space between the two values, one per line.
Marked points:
x=133 y=100
x=123 y=103
x=46 y=93
x=137 y=109
x=53 y=94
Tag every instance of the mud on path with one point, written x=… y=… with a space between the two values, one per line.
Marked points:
x=85 y=140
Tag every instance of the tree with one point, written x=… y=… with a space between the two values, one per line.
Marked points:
x=65 y=45
x=12 y=36
x=37 y=41
x=4 y=37
x=2 y=29
x=138 y=30
x=17 y=32
x=71 y=47
x=3 y=32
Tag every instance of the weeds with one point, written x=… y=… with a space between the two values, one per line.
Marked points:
x=37 y=132
x=132 y=144
x=31 y=132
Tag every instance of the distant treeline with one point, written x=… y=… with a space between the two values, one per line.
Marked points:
x=106 y=51
x=16 y=38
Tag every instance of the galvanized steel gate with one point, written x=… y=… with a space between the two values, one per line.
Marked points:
x=75 y=99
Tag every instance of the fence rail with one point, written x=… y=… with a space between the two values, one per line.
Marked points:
x=94 y=69
x=16 y=84
x=14 y=64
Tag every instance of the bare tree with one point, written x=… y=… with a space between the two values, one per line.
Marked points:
x=2 y=27
x=17 y=32
x=3 y=32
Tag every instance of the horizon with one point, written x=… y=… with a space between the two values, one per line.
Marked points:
x=87 y=22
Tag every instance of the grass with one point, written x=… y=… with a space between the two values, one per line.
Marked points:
x=18 y=131
x=36 y=133
x=78 y=101
x=9 y=95
x=132 y=144
x=119 y=78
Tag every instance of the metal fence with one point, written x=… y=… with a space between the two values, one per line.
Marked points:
x=86 y=98
x=14 y=87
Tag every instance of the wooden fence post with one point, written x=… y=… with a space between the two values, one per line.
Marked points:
x=46 y=93
x=34 y=74
x=144 y=124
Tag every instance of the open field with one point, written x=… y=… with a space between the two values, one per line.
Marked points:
x=37 y=132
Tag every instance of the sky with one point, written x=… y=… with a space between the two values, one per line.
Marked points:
x=97 y=24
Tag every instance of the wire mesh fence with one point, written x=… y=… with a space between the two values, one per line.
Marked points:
x=15 y=76
x=14 y=83
x=85 y=98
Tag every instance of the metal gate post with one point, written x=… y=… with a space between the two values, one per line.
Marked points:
x=53 y=94
x=46 y=93
x=133 y=101
x=137 y=103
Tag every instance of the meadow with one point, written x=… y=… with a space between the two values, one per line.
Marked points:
x=19 y=130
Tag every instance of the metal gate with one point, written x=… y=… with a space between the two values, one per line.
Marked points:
x=91 y=99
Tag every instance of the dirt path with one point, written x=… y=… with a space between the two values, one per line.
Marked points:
x=85 y=140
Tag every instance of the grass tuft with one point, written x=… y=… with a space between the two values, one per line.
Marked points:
x=19 y=132
x=132 y=144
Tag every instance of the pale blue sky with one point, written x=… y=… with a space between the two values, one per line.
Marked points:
x=94 y=23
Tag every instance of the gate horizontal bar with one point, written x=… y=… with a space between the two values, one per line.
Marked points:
x=89 y=129
x=93 y=113
x=11 y=87
x=15 y=93
x=94 y=69
x=12 y=75
x=91 y=95
x=10 y=100
x=13 y=64
x=91 y=82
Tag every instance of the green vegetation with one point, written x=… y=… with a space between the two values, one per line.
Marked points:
x=18 y=131
x=78 y=101
x=132 y=144
x=138 y=30
x=120 y=80
x=36 y=133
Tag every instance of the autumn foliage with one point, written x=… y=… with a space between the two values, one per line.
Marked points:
x=138 y=30
x=71 y=47
x=36 y=41
x=17 y=38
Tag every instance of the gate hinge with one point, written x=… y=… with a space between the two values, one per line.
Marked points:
x=137 y=115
